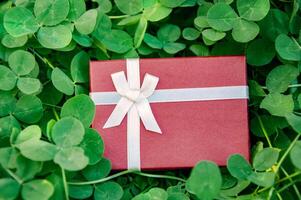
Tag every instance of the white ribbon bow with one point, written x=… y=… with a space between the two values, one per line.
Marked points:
x=133 y=97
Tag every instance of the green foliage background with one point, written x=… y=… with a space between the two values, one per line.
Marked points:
x=48 y=151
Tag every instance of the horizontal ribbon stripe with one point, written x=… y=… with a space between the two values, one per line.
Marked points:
x=179 y=95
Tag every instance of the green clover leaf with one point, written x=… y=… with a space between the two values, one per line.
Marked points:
x=62 y=82
x=288 y=48
x=9 y=188
x=221 y=17
x=50 y=12
x=21 y=62
x=253 y=10
x=80 y=107
x=29 y=109
x=97 y=171
x=80 y=67
x=108 y=191
x=205 y=180
x=280 y=77
x=37 y=190
x=171 y=3
x=55 y=37
x=93 y=146
x=19 y=21
x=85 y=24
x=129 y=7
x=8 y=79
x=77 y=8
x=244 y=31
x=68 y=132
x=278 y=104
x=71 y=158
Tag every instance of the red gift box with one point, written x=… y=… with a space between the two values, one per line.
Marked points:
x=207 y=129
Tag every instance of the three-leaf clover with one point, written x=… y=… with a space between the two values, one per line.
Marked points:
x=222 y=17
x=21 y=64
x=166 y=39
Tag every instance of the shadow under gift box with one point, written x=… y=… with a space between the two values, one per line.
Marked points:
x=191 y=131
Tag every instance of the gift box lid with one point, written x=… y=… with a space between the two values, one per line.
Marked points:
x=191 y=131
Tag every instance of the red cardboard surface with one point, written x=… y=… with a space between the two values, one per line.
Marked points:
x=192 y=131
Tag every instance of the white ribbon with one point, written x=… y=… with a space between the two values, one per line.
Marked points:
x=134 y=101
x=179 y=95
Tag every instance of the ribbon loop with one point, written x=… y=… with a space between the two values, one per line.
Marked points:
x=120 y=83
x=149 y=85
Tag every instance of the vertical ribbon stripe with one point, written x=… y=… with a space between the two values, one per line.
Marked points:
x=133 y=123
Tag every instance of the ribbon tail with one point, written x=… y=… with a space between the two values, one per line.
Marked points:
x=119 y=112
x=133 y=139
x=147 y=116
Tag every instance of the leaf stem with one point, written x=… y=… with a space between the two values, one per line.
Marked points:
x=278 y=195
x=160 y=176
x=46 y=82
x=297 y=113
x=119 y=16
x=296 y=42
x=286 y=152
x=103 y=179
x=294 y=85
x=51 y=105
x=272 y=3
x=55 y=114
x=289 y=177
x=101 y=47
x=270 y=193
x=290 y=86
x=288 y=185
x=13 y=175
x=43 y=59
x=263 y=129
x=65 y=184
x=291 y=181
x=124 y=173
